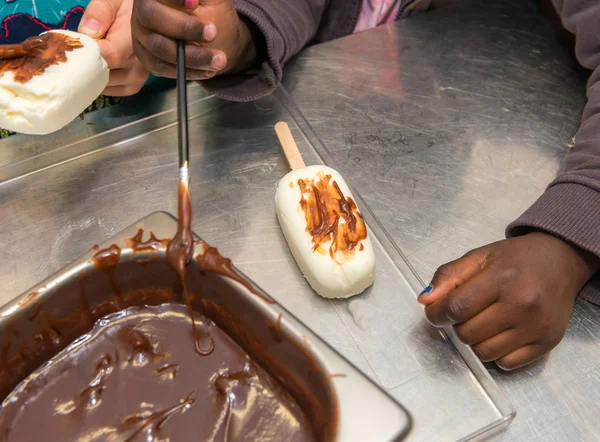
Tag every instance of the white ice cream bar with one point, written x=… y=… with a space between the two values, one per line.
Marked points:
x=49 y=101
x=325 y=231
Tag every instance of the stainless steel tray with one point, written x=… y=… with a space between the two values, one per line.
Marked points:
x=341 y=398
x=88 y=190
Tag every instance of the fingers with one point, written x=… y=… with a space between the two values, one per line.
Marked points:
x=165 y=20
x=463 y=303
x=510 y=301
x=157 y=24
x=121 y=91
x=196 y=57
x=200 y=62
x=490 y=322
x=161 y=68
x=116 y=51
x=110 y=20
x=189 y=5
x=521 y=357
x=498 y=346
x=127 y=81
x=98 y=17
x=450 y=276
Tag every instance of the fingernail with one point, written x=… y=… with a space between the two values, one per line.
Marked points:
x=210 y=74
x=209 y=33
x=218 y=61
x=191 y=5
x=90 y=27
x=427 y=291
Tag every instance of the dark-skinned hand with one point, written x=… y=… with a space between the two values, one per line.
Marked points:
x=218 y=41
x=510 y=301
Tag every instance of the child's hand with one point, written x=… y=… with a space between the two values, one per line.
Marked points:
x=218 y=41
x=511 y=300
x=109 y=20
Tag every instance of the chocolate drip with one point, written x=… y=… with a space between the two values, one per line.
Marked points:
x=181 y=248
x=152 y=244
x=154 y=421
x=29 y=48
x=168 y=370
x=179 y=253
x=36 y=55
x=106 y=261
x=139 y=346
x=85 y=306
x=31 y=297
x=331 y=218
x=275 y=328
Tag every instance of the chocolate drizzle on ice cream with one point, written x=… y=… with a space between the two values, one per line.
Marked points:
x=36 y=54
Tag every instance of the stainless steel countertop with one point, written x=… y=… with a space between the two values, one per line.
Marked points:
x=450 y=124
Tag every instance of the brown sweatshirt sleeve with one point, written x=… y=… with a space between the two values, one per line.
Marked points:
x=570 y=207
x=283 y=28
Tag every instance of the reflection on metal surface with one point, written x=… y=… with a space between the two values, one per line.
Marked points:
x=451 y=124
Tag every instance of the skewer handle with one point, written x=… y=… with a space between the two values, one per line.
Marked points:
x=183 y=137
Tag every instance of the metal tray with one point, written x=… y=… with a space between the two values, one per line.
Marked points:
x=70 y=195
x=341 y=398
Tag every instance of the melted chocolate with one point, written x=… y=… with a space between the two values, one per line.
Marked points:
x=106 y=260
x=29 y=48
x=85 y=306
x=35 y=312
x=181 y=248
x=31 y=297
x=54 y=333
x=331 y=218
x=36 y=55
x=135 y=377
x=152 y=244
x=275 y=328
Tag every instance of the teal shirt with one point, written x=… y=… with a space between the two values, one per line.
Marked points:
x=26 y=18
x=47 y=11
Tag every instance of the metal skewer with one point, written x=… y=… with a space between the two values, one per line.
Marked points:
x=182 y=114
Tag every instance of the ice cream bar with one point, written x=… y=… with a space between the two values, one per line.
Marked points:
x=60 y=74
x=325 y=231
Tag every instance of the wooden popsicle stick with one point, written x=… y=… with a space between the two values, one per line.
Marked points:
x=290 y=149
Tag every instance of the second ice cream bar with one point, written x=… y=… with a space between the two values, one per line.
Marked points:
x=325 y=231
x=54 y=79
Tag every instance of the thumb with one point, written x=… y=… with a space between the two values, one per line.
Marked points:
x=98 y=17
x=453 y=274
